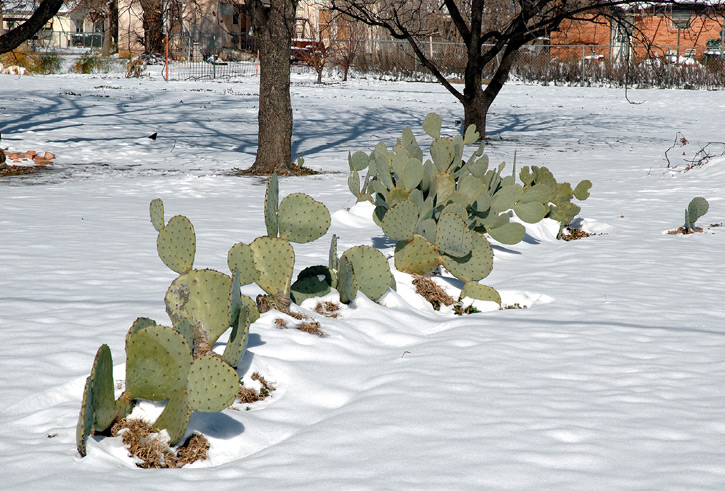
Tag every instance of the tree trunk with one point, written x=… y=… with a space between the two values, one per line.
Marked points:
x=476 y=100
x=273 y=27
x=17 y=36
x=153 y=26
x=107 y=38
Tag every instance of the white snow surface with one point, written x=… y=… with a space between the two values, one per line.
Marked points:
x=612 y=378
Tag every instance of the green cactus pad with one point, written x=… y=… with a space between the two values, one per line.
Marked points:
x=332 y=262
x=697 y=208
x=310 y=285
x=241 y=258
x=176 y=244
x=156 y=211
x=412 y=174
x=471 y=186
x=563 y=192
x=416 y=256
x=271 y=205
x=358 y=161
x=185 y=329
x=175 y=417
x=479 y=167
x=581 y=191
x=539 y=193
x=397 y=195
x=372 y=271
x=235 y=299
x=526 y=176
x=564 y=213
x=429 y=174
x=476 y=265
x=443 y=185
x=399 y=223
x=238 y=339
x=432 y=125
x=427 y=228
x=157 y=362
x=380 y=188
x=346 y=282
x=471 y=135
x=202 y=297
x=442 y=151
x=302 y=218
x=137 y=325
x=509 y=233
x=505 y=198
x=212 y=384
x=416 y=196
x=98 y=409
x=456 y=209
x=453 y=237
x=480 y=292
x=353 y=183
x=275 y=260
x=532 y=212
x=251 y=306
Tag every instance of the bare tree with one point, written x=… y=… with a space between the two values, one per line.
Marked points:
x=347 y=44
x=316 y=55
x=273 y=22
x=17 y=36
x=492 y=31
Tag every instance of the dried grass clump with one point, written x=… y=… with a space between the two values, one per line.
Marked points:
x=249 y=396
x=154 y=451
x=433 y=293
x=328 y=309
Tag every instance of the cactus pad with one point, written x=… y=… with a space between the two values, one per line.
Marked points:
x=696 y=209
x=176 y=244
x=275 y=260
x=157 y=362
x=358 y=161
x=399 y=223
x=442 y=151
x=238 y=339
x=212 y=384
x=271 y=205
x=581 y=191
x=480 y=292
x=346 y=283
x=475 y=266
x=315 y=281
x=532 y=212
x=98 y=409
x=432 y=125
x=416 y=256
x=202 y=297
x=302 y=218
x=453 y=237
x=175 y=417
x=372 y=271
x=508 y=233
x=138 y=324
x=156 y=210
x=241 y=258
x=471 y=135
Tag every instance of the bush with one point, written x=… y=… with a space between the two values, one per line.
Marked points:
x=90 y=63
x=46 y=63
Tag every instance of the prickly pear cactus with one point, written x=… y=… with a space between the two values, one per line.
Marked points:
x=98 y=410
x=695 y=210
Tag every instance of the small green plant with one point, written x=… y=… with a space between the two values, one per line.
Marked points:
x=694 y=211
x=90 y=63
x=46 y=63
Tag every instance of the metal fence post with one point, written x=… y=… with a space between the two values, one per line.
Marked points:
x=583 y=65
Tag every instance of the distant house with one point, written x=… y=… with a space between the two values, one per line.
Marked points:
x=74 y=25
x=641 y=31
x=199 y=29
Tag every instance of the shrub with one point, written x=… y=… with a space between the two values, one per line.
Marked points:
x=90 y=63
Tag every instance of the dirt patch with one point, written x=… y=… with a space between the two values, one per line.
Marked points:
x=19 y=170
x=144 y=443
x=307 y=325
x=293 y=170
x=434 y=294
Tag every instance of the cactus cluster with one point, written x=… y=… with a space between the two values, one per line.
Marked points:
x=360 y=268
x=439 y=210
x=694 y=211
x=175 y=364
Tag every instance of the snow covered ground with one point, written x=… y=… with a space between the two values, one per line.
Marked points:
x=611 y=379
